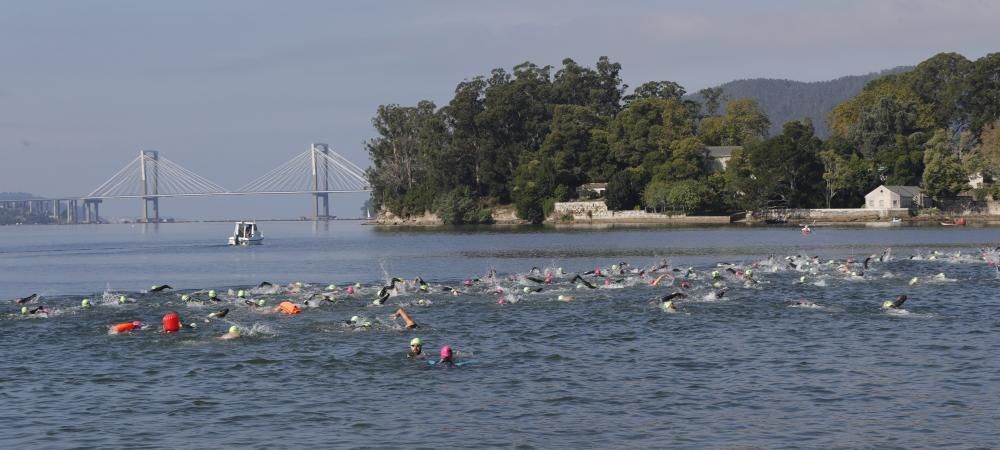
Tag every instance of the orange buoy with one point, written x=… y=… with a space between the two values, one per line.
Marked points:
x=171 y=322
x=288 y=307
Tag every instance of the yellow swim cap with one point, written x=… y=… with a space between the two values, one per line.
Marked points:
x=416 y=341
x=211 y=293
x=234 y=329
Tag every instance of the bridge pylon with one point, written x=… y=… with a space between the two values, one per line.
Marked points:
x=149 y=171
x=319 y=155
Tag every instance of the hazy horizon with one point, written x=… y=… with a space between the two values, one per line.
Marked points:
x=231 y=89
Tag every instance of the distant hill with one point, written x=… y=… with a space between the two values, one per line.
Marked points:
x=786 y=100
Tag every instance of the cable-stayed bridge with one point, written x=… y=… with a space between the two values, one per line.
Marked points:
x=319 y=172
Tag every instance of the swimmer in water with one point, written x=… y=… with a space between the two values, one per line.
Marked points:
x=356 y=322
x=160 y=288
x=583 y=281
x=410 y=324
x=27 y=299
x=41 y=309
x=416 y=349
x=213 y=297
x=386 y=291
x=126 y=327
x=233 y=333
x=447 y=356
x=894 y=304
x=218 y=314
x=264 y=284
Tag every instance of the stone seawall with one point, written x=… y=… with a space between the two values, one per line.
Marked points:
x=597 y=212
x=837 y=215
x=970 y=207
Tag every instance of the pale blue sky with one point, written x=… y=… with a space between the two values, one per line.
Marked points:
x=85 y=84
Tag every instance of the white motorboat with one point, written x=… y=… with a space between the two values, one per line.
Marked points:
x=246 y=233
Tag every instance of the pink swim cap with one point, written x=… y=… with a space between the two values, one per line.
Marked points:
x=136 y=324
x=467 y=282
x=501 y=301
x=350 y=289
x=446 y=351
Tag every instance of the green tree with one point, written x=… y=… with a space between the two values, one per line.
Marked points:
x=688 y=196
x=687 y=161
x=744 y=122
x=981 y=100
x=647 y=126
x=713 y=99
x=943 y=175
x=624 y=190
x=570 y=142
x=533 y=186
x=599 y=89
x=942 y=81
x=667 y=90
x=398 y=155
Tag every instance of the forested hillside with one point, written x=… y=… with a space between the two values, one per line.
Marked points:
x=785 y=100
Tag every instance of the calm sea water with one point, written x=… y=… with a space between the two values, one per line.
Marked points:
x=608 y=369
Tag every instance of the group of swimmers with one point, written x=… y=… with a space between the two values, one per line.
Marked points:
x=687 y=284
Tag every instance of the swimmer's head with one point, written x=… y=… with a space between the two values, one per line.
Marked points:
x=331 y=287
x=211 y=294
x=416 y=342
x=355 y=319
x=234 y=330
x=423 y=287
x=914 y=280
x=446 y=351
x=137 y=324
x=715 y=274
x=527 y=289
x=887 y=304
x=241 y=293
x=357 y=285
x=350 y=289
x=85 y=303
x=261 y=302
x=802 y=279
x=24 y=310
x=467 y=282
x=580 y=286
x=561 y=297
x=121 y=299
x=185 y=298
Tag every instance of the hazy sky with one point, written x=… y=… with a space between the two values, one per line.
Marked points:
x=231 y=89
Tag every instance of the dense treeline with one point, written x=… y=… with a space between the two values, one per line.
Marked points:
x=530 y=138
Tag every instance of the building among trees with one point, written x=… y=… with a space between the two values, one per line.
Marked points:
x=893 y=197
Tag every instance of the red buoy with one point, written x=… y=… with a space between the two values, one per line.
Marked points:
x=171 y=323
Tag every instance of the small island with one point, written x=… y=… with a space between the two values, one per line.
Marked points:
x=539 y=144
